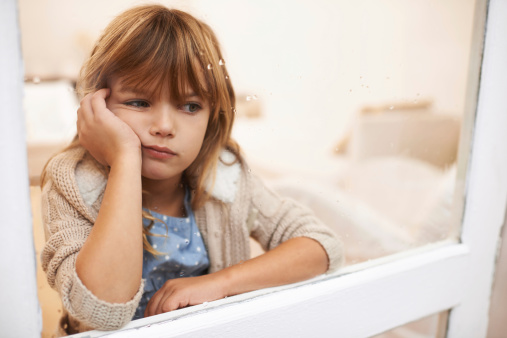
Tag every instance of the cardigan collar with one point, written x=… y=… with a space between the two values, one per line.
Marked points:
x=226 y=180
x=92 y=184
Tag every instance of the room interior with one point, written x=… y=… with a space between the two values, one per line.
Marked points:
x=369 y=141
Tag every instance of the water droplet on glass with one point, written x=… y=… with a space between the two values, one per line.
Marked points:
x=36 y=80
x=226 y=77
x=249 y=170
x=251 y=97
x=187 y=241
x=209 y=66
x=221 y=62
x=391 y=107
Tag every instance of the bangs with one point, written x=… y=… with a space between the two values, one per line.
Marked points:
x=161 y=51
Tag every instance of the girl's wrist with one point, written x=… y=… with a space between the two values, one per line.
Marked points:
x=227 y=280
x=131 y=159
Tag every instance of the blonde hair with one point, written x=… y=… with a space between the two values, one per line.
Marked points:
x=153 y=45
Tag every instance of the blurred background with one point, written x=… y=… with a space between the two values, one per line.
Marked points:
x=311 y=64
x=353 y=108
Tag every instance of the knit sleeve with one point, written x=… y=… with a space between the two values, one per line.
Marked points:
x=66 y=231
x=279 y=219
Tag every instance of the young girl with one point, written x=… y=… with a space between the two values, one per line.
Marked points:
x=150 y=209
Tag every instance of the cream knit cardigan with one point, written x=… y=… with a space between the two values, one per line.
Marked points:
x=241 y=206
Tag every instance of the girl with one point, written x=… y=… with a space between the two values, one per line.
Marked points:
x=151 y=207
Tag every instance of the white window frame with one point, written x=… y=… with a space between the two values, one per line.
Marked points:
x=354 y=303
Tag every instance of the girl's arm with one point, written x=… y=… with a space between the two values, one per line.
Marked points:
x=110 y=262
x=295 y=260
x=298 y=247
x=292 y=261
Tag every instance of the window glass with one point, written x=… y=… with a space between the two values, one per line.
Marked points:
x=434 y=326
x=356 y=109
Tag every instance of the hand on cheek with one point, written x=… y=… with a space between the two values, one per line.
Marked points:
x=102 y=133
x=182 y=292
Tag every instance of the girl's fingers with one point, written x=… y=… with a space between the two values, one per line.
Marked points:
x=98 y=100
x=164 y=304
x=85 y=111
x=84 y=115
x=102 y=133
x=161 y=302
x=93 y=103
x=88 y=108
x=153 y=303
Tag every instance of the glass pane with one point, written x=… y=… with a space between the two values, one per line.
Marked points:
x=361 y=110
x=434 y=326
x=358 y=111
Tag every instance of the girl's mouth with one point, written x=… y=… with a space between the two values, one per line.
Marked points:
x=158 y=152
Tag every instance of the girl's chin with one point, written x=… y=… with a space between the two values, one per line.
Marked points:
x=158 y=175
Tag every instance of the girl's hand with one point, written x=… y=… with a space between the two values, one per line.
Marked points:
x=102 y=133
x=292 y=261
x=182 y=292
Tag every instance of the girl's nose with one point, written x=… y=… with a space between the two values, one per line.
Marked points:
x=162 y=122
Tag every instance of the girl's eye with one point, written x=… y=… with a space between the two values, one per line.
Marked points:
x=137 y=104
x=191 y=107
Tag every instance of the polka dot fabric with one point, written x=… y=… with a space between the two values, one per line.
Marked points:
x=184 y=253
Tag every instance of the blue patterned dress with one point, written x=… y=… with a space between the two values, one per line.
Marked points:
x=184 y=254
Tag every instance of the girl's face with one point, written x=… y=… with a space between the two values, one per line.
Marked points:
x=171 y=133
